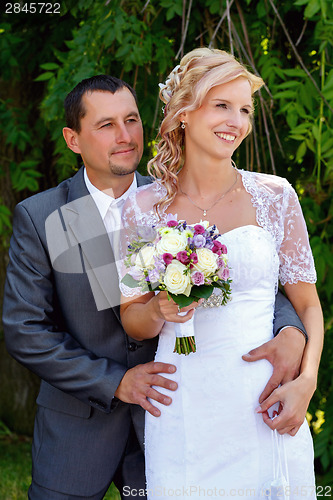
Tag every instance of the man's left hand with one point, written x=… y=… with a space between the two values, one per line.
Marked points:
x=284 y=352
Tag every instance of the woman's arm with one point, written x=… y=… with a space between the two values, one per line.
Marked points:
x=294 y=397
x=143 y=317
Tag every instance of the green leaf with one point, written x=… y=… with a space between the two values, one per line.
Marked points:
x=44 y=76
x=49 y=66
x=182 y=300
x=202 y=292
x=301 y=151
x=312 y=8
x=129 y=281
x=285 y=94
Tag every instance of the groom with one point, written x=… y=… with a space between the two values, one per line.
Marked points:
x=61 y=310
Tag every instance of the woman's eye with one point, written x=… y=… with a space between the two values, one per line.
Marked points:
x=246 y=111
x=222 y=105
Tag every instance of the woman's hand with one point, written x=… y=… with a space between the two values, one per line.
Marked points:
x=294 y=398
x=165 y=308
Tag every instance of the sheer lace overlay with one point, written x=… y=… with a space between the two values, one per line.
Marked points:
x=278 y=212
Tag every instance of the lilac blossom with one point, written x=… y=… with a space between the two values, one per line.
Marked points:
x=198 y=278
x=146 y=233
x=199 y=240
x=223 y=274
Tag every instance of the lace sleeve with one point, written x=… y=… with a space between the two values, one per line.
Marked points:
x=138 y=220
x=296 y=260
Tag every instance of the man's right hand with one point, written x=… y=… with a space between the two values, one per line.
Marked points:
x=137 y=384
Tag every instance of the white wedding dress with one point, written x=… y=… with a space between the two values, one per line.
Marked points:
x=210 y=442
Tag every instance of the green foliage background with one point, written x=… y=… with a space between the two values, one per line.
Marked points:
x=289 y=43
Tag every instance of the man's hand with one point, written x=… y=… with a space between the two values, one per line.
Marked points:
x=136 y=386
x=284 y=352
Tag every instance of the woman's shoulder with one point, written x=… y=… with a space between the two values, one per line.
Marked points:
x=268 y=183
x=144 y=197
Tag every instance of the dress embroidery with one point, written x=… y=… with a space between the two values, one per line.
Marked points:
x=278 y=212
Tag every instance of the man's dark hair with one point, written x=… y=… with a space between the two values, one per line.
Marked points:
x=74 y=109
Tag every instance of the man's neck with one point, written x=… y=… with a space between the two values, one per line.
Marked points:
x=112 y=187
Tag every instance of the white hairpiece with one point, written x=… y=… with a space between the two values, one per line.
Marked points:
x=167 y=89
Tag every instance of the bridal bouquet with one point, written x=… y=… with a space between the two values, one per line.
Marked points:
x=188 y=262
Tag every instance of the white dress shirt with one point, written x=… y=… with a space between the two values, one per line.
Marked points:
x=110 y=208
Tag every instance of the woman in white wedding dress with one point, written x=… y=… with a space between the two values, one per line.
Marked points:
x=213 y=440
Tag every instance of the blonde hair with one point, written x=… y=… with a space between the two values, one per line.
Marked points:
x=184 y=90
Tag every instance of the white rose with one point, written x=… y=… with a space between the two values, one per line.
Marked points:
x=145 y=257
x=207 y=261
x=175 y=279
x=173 y=243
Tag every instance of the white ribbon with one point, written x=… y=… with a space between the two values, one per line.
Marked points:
x=185 y=329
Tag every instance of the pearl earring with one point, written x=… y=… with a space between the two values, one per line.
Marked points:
x=183 y=125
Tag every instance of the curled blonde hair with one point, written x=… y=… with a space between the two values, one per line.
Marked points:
x=184 y=90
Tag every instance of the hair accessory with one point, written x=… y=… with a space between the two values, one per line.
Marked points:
x=183 y=125
x=167 y=89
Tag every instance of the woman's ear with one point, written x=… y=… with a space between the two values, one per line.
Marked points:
x=70 y=137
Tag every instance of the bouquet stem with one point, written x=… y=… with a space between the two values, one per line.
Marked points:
x=185 y=341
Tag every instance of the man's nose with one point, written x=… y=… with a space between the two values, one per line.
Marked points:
x=122 y=134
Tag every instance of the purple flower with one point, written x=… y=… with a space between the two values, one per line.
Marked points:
x=199 y=229
x=220 y=263
x=198 y=278
x=153 y=276
x=223 y=274
x=199 y=240
x=194 y=258
x=168 y=258
x=146 y=233
x=172 y=223
x=183 y=257
x=217 y=247
x=224 y=249
x=159 y=263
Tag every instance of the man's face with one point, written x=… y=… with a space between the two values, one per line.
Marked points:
x=111 y=137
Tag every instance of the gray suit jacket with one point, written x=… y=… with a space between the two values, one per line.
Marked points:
x=57 y=323
x=61 y=320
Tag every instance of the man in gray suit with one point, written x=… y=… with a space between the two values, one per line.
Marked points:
x=61 y=310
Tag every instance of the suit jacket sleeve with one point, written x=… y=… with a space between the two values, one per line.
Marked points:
x=285 y=314
x=31 y=325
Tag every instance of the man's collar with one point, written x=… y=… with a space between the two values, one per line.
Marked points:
x=104 y=201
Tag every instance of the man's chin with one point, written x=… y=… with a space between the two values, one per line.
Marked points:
x=121 y=171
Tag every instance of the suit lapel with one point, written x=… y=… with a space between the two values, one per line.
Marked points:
x=86 y=229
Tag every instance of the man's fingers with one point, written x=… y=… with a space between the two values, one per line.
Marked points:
x=158 y=367
x=159 y=381
x=256 y=354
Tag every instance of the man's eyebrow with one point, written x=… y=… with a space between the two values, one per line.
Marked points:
x=134 y=114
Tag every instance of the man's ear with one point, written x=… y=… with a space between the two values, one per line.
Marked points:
x=70 y=137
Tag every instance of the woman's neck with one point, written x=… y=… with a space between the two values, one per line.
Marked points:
x=204 y=180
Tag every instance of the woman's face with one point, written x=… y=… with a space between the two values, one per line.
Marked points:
x=218 y=127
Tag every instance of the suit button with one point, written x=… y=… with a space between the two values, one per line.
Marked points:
x=132 y=346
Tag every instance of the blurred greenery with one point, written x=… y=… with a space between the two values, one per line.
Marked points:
x=289 y=43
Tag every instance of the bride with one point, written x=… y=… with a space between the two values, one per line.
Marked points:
x=214 y=439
